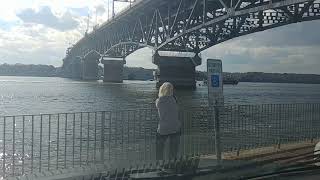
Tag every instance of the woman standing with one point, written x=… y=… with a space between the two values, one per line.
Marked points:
x=169 y=125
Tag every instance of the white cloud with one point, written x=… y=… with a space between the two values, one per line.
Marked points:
x=293 y=48
x=46 y=17
x=141 y=57
x=38 y=39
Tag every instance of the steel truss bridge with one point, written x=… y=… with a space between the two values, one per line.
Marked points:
x=189 y=25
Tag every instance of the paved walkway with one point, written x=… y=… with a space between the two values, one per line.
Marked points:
x=235 y=165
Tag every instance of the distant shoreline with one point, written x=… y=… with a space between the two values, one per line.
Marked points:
x=139 y=73
x=149 y=80
x=261 y=77
x=26 y=76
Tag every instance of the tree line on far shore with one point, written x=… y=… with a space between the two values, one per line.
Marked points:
x=139 y=73
x=28 y=70
x=267 y=77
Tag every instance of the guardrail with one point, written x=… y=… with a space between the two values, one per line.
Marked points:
x=46 y=142
x=252 y=126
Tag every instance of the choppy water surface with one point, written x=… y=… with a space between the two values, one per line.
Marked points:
x=35 y=95
x=62 y=140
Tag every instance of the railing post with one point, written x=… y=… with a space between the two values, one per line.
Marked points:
x=23 y=143
x=73 y=138
x=311 y=106
x=13 y=144
x=65 y=140
x=32 y=142
x=58 y=134
x=88 y=137
x=95 y=138
x=40 y=150
x=103 y=117
x=49 y=141
x=4 y=148
x=279 y=129
x=217 y=134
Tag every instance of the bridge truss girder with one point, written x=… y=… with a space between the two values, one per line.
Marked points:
x=192 y=25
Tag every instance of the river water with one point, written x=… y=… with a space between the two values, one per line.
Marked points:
x=28 y=143
x=35 y=95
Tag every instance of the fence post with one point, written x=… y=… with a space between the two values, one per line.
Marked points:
x=4 y=148
x=217 y=134
x=103 y=117
x=312 y=123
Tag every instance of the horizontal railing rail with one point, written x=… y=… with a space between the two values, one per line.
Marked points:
x=39 y=143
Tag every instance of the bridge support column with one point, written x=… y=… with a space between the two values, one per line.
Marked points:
x=113 y=69
x=178 y=70
x=76 y=68
x=90 y=67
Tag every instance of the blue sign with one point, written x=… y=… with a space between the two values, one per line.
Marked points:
x=215 y=81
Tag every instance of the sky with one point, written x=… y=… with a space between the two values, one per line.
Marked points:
x=39 y=31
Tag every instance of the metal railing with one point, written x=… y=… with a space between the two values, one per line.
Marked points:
x=39 y=143
x=253 y=126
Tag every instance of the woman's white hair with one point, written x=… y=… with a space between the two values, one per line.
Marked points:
x=166 y=89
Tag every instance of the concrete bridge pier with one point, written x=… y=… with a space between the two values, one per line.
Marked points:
x=113 y=69
x=90 y=67
x=76 y=68
x=177 y=68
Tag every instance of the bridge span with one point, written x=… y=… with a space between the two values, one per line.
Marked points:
x=179 y=26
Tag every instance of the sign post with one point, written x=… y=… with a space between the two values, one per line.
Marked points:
x=215 y=98
x=215 y=82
